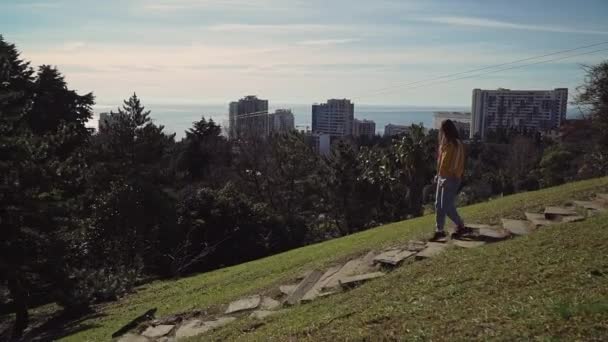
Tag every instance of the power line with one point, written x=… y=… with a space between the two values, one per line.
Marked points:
x=383 y=90
x=255 y=114
x=504 y=69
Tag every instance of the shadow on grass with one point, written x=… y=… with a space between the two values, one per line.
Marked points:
x=52 y=326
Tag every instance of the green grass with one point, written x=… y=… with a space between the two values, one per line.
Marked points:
x=551 y=284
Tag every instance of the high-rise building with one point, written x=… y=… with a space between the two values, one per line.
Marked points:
x=105 y=121
x=282 y=121
x=248 y=117
x=462 y=121
x=391 y=130
x=322 y=143
x=334 y=118
x=540 y=110
x=364 y=128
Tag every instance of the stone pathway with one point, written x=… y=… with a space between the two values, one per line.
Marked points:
x=316 y=284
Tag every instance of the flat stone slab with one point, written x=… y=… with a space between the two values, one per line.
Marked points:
x=595 y=205
x=539 y=220
x=393 y=257
x=130 y=337
x=197 y=327
x=432 y=249
x=602 y=197
x=496 y=233
x=261 y=314
x=269 y=303
x=315 y=291
x=305 y=285
x=555 y=212
x=415 y=245
x=287 y=289
x=248 y=303
x=158 y=331
x=361 y=265
x=517 y=227
x=576 y=218
x=350 y=281
x=468 y=244
x=478 y=226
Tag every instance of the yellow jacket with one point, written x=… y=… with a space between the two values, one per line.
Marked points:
x=451 y=160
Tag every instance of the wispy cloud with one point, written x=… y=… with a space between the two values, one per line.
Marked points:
x=327 y=42
x=179 y=5
x=279 y=29
x=488 y=23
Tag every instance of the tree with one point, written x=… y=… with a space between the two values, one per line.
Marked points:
x=205 y=153
x=593 y=95
x=39 y=178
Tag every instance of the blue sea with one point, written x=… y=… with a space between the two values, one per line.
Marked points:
x=178 y=118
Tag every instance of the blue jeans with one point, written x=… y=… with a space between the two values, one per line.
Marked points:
x=445 y=198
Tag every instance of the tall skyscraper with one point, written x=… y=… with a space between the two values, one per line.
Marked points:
x=334 y=118
x=248 y=117
x=364 y=128
x=282 y=121
x=540 y=110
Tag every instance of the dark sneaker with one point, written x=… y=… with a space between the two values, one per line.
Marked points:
x=462 y=231
x=439 y=236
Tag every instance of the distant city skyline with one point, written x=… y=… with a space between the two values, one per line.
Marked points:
x=294 y=51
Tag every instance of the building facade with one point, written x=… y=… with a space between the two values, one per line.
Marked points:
x=540 y=110
x=364 y=128
x=282 y=121
x=336 y=118
x=391 y=130
x=462 y=121
x=248 y=117
x=321 y=143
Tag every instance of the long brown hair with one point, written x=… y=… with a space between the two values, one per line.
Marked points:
x=448 y=133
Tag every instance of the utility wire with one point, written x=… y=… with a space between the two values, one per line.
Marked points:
x=383 y=90
x=447 y=78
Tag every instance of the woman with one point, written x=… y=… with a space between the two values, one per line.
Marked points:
x=450 y=169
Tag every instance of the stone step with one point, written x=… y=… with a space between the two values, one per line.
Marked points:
x=353 y=267
x=575 y=218
x=197 y=327
x=594 y=205
x=478 y=226
x=269 y=304
x=556 y=213
x=317 y=288
x=539 y=220
x=261 y=314
x=287 y=289
x=517 y=227
x=602 y=197
x=415 y=245
x=432 y=249
x=468 y=243
x=243 y=304
x=305 y=285
x=158 y=331
x=357 y=279
x=130 y=337
x=393 y=257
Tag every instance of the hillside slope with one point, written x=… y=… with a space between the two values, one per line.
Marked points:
x=552 y=284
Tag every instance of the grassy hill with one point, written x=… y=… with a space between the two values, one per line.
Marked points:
x=549 y=285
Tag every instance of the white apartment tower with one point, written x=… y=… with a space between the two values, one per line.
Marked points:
x=540 y=110
x=248 y=117
x=335 y=118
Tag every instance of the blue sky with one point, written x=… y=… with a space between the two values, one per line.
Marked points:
x=302 y=51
